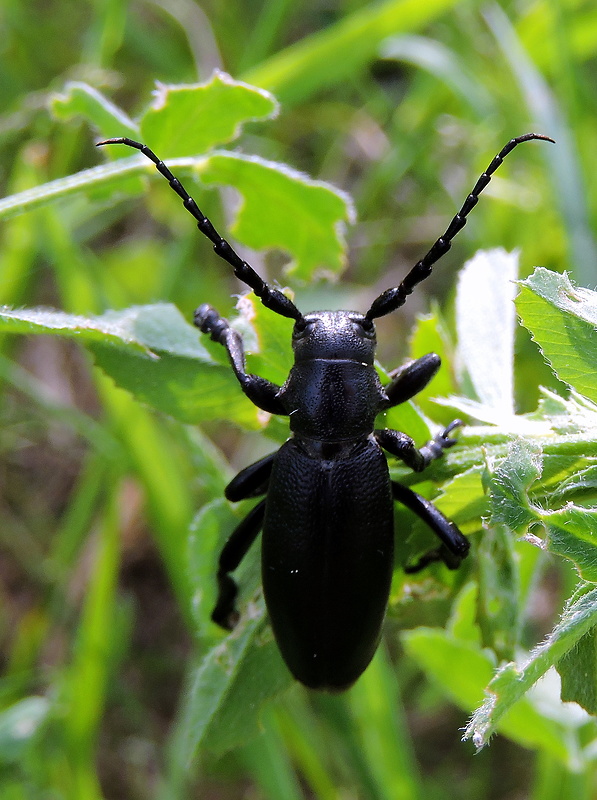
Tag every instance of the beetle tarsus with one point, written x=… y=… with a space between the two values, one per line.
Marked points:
x=225 y=614
x=209 y=321
x=441 y=553
x=436 y=446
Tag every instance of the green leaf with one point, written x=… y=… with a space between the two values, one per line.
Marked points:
x=512 y=681
x=509 y=485
x=153 y=353
x=561 y=318
x=272 y=335
x=285 y=209
x=188 y=120
x=97 y=181
x=406 y=418
x=208 y=531
x=430 y=336
x=463 y=499
x=571 y=533
x=81 y=100
x=464 y=681
x=578 y=671
x=216 y=714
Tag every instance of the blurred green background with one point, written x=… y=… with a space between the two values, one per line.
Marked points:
x=402 y=104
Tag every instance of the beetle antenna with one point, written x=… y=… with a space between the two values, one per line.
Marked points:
x=395 y=297
x=272 y=298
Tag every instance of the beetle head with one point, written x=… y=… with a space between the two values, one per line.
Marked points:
x=334 y=335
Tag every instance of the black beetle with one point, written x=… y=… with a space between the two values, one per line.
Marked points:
x=327 y=514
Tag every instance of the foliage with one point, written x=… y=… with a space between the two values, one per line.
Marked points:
x=115 y=682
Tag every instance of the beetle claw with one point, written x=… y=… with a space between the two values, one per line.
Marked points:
x=444 y=439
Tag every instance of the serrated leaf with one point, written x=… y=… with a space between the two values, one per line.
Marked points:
x=562 y=319
x=571 y=533
x=191 y=119
x=284 y=209
x=513 y=681
x=510 y=482
x=485 y=320
x=470 y=669
x=153 y=353
x=78 y=99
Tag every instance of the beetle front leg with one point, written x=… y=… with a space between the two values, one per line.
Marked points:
x=403 y=447
x=242 y=537
x=454 y=546
x=260 y=391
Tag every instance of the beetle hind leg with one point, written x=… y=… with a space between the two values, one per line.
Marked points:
x=454 y=545
x=250 y=482
x=242 y=537
x=441 y=553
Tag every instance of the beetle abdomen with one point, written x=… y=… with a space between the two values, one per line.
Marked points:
x=327 y=558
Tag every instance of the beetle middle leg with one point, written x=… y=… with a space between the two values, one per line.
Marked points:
x=404 y=448
x=454 y=546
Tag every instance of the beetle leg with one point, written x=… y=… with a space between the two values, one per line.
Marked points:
x=242 y=537
x=251 y=481
x=260 y=391
x=409 y=380
x=403 y=447
x=454 y=546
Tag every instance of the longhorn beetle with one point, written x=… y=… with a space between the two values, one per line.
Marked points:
x=327 y=508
